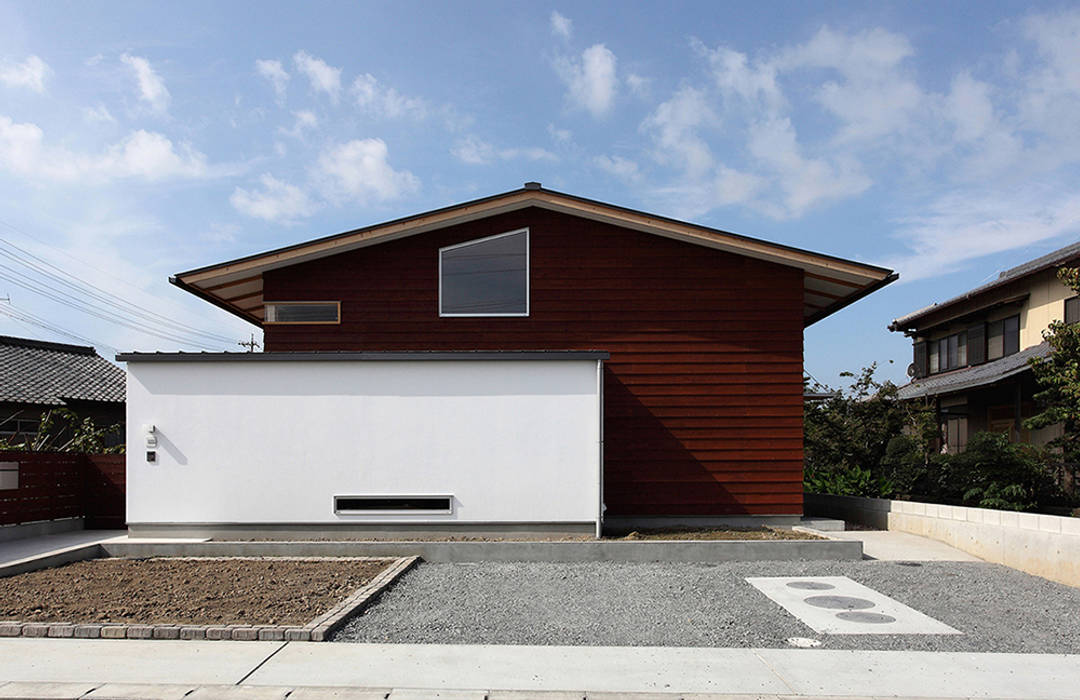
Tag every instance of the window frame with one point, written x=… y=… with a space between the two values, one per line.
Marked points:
x=336 y=322
x=528 y=275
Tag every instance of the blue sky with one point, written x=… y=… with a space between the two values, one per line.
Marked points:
x=139 y=139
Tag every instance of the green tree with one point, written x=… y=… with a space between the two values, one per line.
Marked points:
x=1058 y=377
x=61 y=430
x=856 y=437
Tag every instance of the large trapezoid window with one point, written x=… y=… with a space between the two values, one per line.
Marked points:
x=486 y=277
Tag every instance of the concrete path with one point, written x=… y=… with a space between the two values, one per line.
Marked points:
x=275 y=667
x=891 y=545
x=12 y=551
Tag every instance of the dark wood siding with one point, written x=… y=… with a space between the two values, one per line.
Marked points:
x=703 y=391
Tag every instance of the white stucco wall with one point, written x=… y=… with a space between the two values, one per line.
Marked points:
x=514 y=441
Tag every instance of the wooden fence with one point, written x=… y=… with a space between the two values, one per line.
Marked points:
x=54 y=485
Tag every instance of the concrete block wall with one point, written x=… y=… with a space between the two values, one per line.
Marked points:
x=1044 y=545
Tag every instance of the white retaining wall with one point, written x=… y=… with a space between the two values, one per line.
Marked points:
x=513 y=441
x=1044 y=545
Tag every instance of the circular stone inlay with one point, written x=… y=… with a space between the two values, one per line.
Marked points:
x=839 y=602
x=811 y=585
x=868 y=617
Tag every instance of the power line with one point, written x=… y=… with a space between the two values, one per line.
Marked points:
x=22 y=280
x=122 y=305
x=25 y=317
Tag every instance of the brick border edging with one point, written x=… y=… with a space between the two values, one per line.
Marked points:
x=317 y=630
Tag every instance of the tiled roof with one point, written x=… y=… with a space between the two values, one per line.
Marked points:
x=973 y=377
x=39 y=372
x=1058 y=257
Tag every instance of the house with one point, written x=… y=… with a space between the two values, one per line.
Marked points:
x=529 y=360
x=971 y=352
x=36 y=376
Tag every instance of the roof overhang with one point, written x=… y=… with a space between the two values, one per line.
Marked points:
x=829 y=283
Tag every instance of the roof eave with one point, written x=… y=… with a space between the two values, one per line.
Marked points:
x=848 y=300
x=175 y=280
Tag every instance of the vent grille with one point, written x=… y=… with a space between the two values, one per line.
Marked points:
x=392 y=504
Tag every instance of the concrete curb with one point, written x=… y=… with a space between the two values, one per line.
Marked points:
x=59 y=557
x=316 y=630
x=673 y=551
x=132 y=691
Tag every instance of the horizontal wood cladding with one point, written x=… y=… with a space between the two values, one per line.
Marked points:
x=703 y=391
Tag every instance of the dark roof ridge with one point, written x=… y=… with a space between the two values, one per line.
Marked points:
x=47 y=345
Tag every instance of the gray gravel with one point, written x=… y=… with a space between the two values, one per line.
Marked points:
x=618 y=604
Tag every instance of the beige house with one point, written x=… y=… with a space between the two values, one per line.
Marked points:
x=971 y=352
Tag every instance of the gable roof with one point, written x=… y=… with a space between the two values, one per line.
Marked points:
x=974 y=376
x=830 y=283
x=50 y=374
x=1059 y=257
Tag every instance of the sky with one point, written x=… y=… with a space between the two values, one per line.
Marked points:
x=142 y=139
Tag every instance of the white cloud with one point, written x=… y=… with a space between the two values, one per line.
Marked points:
x=276 y=74
x=591 y=81
x=385 y=102
x=475 y=151
x=360 y=170
x=100 y=114
x=305 y=120
x=561 y=26
x=675 y=125
x=144 y=155
x=559 y=135
x=622 y=168
x=152 y=88
x=31 y=73
x=323 y=77
x=803 y=182
x=640 y=86
x=277 y=201
x=875 y=95
x=965 y=225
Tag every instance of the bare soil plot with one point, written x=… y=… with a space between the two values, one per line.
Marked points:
x=192 y=591
x=730 y=533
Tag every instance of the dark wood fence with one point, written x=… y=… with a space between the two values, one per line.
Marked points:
x=55 y=485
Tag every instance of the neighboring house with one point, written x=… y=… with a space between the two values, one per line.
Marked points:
x=444 y=345
x=36 y=376
x=971 y=352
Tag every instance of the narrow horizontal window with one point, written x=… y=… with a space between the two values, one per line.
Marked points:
x=392 y=504
x=302 y=312
x=485 y=277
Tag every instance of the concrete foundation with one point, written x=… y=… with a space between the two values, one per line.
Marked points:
x=42 y=527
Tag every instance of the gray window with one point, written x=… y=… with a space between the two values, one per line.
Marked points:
x=302 y=312
x=486 y=277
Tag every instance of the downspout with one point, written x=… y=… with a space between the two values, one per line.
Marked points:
x=600 y=465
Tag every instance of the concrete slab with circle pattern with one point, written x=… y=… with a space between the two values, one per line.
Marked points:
x=839 y=605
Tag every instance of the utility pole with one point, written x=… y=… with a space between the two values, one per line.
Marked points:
x=250 y=344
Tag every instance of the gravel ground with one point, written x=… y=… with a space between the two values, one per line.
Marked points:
x=998 y=609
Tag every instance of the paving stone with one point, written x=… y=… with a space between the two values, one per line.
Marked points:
x=219 y=632
x=428 y=694
x=240 y=692
x=192 y=633
x=245 y=634
x=139 y=691
x=298 y=634
x=272 y=634
x=534 y=695
x=52 y=691
x=114 y=631
x=87 y=631
x=140 y=632
x=61 y=630
x=10 y=629
x=166 y=632
x=311 y=693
